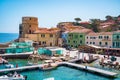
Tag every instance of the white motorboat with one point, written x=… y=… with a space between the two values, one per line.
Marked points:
x=9 y=66
x=52 y=78
x=14 y=76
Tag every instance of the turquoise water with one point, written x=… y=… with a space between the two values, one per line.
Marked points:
x=63 y=73
x=6 y=37
x=19 y=62
x=48 y=52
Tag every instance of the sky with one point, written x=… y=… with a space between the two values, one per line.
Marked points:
x=51 y=12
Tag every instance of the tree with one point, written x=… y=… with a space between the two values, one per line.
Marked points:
x=109 y=17
x=77 y=20
x=95 y=23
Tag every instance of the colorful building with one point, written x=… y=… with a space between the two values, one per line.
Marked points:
x=116 y=39
x=64 y=36
x=45 y=37
x=77 y=37
x=103 y=39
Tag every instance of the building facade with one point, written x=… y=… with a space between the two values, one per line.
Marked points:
x=77 y=37
x=28 y=26
x=103 y=39
x=45 y=37
x=116 y=39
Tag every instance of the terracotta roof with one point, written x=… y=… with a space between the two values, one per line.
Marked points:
x=101 y=33
x=81 y=31
x=45 y=30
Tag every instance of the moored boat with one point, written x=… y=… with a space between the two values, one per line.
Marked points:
x=9 y=66
x=14 y=76
x=48 y=68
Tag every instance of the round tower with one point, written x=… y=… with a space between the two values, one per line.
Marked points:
x=28 y=26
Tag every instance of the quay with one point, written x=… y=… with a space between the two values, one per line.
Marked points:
x=77 y=66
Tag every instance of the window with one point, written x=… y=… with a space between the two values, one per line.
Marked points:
x=90 y=42
x=39 y=42
x=80 y=41
x=81 y=36
x=106 y=43
x=69 y=35
x=100 y=37
x=68 y=41
x=100 y=43
x=87 y=37
x=117 y=37
x=42 y=35
x=44 y=42
x=94 y=37
x=113 y=44
x=107 y=37
x=93 y=42
x=87 y=42
x=74 y=41
x=51 y=35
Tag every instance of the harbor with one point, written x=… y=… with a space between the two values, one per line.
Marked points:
x=59 y=40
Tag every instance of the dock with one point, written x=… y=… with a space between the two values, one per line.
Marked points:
x=91 y=69
x=77 y=66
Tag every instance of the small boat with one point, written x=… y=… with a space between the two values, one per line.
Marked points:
x=52 y=78
x=30 y=63
x=14 y=76
x=9 y=66
x=48 y=68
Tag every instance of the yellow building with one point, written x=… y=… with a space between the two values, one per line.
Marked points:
x=45 y=37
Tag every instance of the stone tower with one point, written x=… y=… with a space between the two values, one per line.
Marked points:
x=28 y=26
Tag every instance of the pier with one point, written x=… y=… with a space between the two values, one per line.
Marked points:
x=91 y=69
x=77 y=66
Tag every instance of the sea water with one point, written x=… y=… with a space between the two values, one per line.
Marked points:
x=7 y=37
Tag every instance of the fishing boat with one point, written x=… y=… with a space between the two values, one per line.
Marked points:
x=14 y=76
